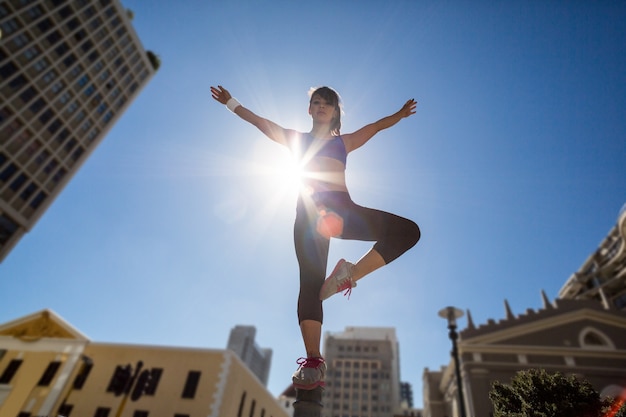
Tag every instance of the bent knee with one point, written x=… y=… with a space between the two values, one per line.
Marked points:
x=412 y=233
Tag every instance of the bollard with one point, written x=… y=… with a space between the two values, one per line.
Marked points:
x=308 y=403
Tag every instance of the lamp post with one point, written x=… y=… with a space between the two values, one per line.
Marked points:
x=452 y=314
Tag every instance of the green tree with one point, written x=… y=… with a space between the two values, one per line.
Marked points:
x=537 y=393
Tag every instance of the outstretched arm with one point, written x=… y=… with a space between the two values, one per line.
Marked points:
x=360 y=137
x=269 y=128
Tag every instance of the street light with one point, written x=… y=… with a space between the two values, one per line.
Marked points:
x=452 y=314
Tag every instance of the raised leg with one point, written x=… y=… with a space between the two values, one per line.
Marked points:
x=370 y=262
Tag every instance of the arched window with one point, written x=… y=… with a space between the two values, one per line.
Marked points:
x=613 y=391
x=590 y=338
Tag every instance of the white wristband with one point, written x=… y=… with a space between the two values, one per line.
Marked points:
x=232 y=104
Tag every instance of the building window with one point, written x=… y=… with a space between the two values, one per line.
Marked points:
x=8 y=70
x=18 y=182
x=69 y=60
x=30 y=53
x=191 y=384
x=591 y=338
x=62 y=49
x=65 y=12
x=18 y=82
x=49 y=374
x=34 y=12
x=252 y=407
x=80 y=379
x=45 y=25
x=21 y=40
x=37 y=106
x=80 y=35
x=7 y=229
x=28 y=191
x=82 y=81
x=73 y=24
x=89 y=12
x=15 y=364
x=102 y=412
x=7 y=173
x=10 y=26
x=242 y=402
x=65 y=410
x=95 y=23
x=49 y=76
x=620 y=301
x=140 y=413
x=72 y=108
x=613 y=391
x=54 y=37
x=36 y=202
x=155 y=376
x=46 y=116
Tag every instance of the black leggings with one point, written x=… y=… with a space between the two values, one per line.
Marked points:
x=393 y=235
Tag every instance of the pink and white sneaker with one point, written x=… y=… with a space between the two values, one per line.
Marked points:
x=310 y=374
x=339 y=280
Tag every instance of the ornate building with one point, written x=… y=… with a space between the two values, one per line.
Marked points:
x=568 y=336
x=582 y=332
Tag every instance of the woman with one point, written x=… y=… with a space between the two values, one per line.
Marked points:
x=325 y=210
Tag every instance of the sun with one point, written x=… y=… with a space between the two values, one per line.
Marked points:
x=287 y=173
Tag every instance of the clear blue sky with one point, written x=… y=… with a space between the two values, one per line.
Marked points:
x=179 y=226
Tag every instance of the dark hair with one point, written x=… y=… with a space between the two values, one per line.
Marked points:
x=332 y=98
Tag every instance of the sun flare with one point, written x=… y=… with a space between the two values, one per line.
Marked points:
x=288 y=173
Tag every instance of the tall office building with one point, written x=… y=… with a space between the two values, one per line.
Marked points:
x=241 y=341
x=603 y=275
x=363 y=378
x=68 y=70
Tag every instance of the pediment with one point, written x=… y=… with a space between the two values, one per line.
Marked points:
x=43 y=324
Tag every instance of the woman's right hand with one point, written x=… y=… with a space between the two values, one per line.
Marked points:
x=220 y=94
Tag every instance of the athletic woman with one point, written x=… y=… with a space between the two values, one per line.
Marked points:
x=325 y=210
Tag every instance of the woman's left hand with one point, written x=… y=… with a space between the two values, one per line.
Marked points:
x=409 y=108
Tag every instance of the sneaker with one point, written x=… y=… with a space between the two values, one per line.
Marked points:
x=310 y=374
x=339 y=280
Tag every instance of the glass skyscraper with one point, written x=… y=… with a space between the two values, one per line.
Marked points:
x=68 y=70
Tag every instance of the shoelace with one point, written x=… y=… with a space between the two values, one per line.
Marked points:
x=346 y=287
x=309 y=362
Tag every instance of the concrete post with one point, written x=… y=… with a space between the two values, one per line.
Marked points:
x=308 y=403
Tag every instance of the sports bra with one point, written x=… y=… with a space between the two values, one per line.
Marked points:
x=330 y=148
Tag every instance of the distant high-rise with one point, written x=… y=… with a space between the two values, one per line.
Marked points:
x=603 y=275
x=363 y=377
x=68 y=70
x=406 y=394
x=241 y=341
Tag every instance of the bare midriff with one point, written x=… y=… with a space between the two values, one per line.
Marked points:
x=324 y=174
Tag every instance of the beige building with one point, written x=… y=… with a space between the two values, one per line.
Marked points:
x=578 y=337
x=603 y=275
x=68 y=70
x=48 y=368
